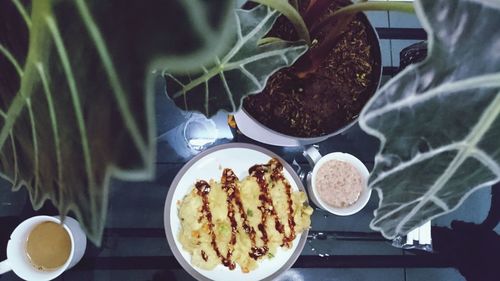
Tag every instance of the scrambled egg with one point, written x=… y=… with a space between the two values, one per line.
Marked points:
x=229 y=225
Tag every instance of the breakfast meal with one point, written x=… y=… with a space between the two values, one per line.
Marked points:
x=239 y=222
x=339 y=184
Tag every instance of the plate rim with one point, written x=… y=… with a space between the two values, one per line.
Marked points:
x=166 y=213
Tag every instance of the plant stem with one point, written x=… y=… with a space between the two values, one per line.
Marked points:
x=269 y=40
x=295 y=4
x=365 y=6
x=292 y=14
x=312 y=60
x=406 y=7
x=314 y=11
x=339 y=21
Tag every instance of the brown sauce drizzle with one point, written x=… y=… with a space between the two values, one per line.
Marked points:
x=277 y=175
x=249 y=230
x=258 y=172
x=229 y=181
x=203 y=189
x=229 y=185
x=204 y=255
x=267 y=206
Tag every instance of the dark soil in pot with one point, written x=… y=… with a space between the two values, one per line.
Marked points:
x=331 y=97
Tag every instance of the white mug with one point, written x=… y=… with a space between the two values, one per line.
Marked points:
x=316 y=161
x=17 y=259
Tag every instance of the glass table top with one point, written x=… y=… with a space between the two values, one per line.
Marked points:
x=134 y=246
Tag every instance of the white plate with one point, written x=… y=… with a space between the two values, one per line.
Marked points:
x=208 y=165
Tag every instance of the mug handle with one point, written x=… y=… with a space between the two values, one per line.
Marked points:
x=311 y=153
x=5 y=267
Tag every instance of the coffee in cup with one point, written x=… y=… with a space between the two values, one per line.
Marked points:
x=43 y=247
x=48 y=246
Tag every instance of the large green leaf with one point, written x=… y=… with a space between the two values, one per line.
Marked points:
x=439 y=121
x=76 y=91
x=242 y=70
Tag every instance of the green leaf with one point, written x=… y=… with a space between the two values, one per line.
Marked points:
x=242 y=70
x=76 y=91
x=291 y=12
x=439 y=121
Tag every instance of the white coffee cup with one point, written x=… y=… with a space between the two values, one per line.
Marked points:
x=316 y=161
x=17 y=259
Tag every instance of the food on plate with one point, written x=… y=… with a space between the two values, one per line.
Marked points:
x=339 y=184
x=239 y=222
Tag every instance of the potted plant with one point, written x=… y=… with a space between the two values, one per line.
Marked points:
x=435 y=149
x=77 y=98
x=322 y=94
